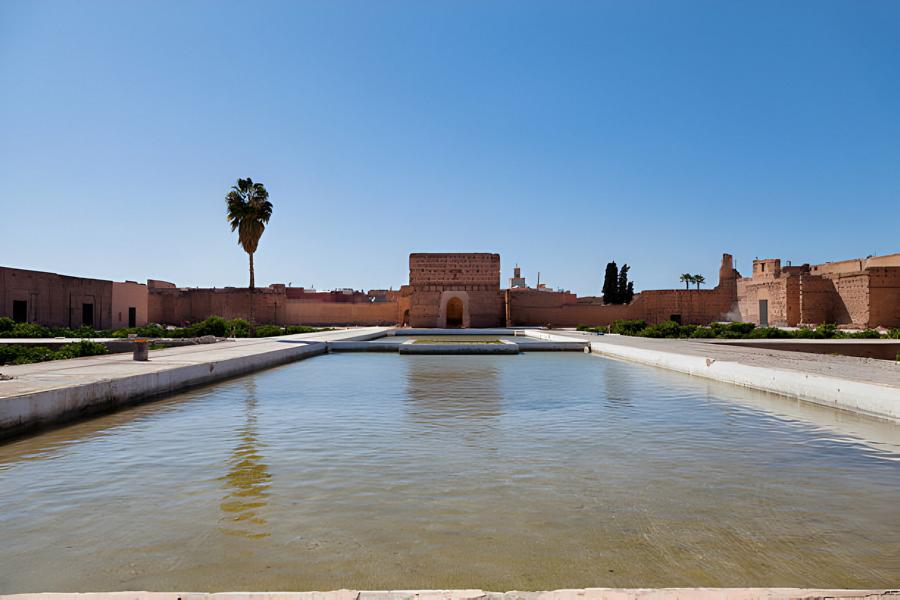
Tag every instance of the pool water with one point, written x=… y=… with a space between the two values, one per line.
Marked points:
x=385 y=471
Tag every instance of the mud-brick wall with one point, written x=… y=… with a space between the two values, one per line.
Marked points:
x=699 y=307
x=55 y=300
x=271 y=305
x=884 y=296
x=340 y=313
x=475 y=275
x=774 y=291
x=817 y=299
x=853 y=298
x=548 y=308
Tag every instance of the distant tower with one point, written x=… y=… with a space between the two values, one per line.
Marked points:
x=517 y=281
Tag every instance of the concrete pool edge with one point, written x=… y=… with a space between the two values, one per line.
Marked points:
x=705 y=593
x=870 y=399
x=61 y=393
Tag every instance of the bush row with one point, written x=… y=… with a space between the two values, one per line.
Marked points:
x=671 y=329
x=216 y=326
x=14 y=354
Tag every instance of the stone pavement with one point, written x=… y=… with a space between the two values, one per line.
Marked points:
x=55 y=391
x=571 y=594
x=862 y=385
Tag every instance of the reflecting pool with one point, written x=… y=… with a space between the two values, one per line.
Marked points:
x=384 y=471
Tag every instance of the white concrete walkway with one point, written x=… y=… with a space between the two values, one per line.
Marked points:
x=57 y=391
x=570 y=594
x=861 y=385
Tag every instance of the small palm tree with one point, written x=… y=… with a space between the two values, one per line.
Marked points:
x=687 y=279
x=249 y=211
x=699 y=279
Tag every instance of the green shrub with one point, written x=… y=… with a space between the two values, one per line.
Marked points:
x=827 y=330
x=6 y=324
x=269 y=331
x=29 y=330
x=627 y=327
x=582 y=328
x=732 y=330
x=866 y=334
x=239 y=327
x=769 y=333
x=148 y=331
x=22 y=355
x=894 y=334
x=294 y=329
x=666 y=329
x=703 y=332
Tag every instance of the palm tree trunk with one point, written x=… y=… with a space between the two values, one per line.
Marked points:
x=252 y=296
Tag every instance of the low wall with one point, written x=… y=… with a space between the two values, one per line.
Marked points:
x=273 y=305
x=880 y=349
x=701 y=307
x=865 y=398
x=21 y=413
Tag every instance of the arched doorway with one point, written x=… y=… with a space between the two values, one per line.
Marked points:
x=455 y=312
x=405 y=322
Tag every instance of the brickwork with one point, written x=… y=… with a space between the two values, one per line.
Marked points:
x=884 y=296
x=474 y=278
x=817 y=299
x=860 y=292
x=277 y=305
x=55 y=300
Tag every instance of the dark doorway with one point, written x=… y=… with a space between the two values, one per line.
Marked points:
x=20 y=311
x=132 y=316
x=676 y=318
x=405 y=322
x=87 y=314
x=763 y=313
x=455 y=313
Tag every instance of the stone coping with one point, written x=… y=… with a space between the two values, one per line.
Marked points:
x=563 y=594
x=863 y=386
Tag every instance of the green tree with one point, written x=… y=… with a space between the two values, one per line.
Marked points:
x=249 y=210
x=629 y=293
x=622 y=285
x=687 y=279
x=699 y=280
x=611 y=283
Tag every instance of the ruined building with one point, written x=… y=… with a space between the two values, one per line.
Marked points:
x=463 y=290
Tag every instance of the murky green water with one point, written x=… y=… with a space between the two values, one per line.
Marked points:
x=500 y=472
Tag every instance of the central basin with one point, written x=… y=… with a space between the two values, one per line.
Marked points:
x=384 y=471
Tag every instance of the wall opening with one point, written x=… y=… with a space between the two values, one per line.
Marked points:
x=20 y=311
x=676 y=318
x=763 y=313
x=87 y=314
x=455 y=312
x=405 y=322
x=132 y=316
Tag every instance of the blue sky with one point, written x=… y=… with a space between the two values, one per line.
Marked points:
x=559 y=134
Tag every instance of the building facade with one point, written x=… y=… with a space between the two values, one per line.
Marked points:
x=860 y=292
x=463 y=290
x=64 y=301
x=455 y=290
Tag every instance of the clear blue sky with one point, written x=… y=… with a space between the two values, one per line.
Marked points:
x=559 y=134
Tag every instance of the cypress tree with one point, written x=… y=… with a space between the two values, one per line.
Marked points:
x=622 y=285
x=629 y=292
x=611 y=283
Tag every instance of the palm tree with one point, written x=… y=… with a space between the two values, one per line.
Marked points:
x=249 y=211
x=687 y=279
x=699 y=279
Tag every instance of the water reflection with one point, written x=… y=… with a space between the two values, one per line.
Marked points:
x=248 y=478
x=437 y=392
